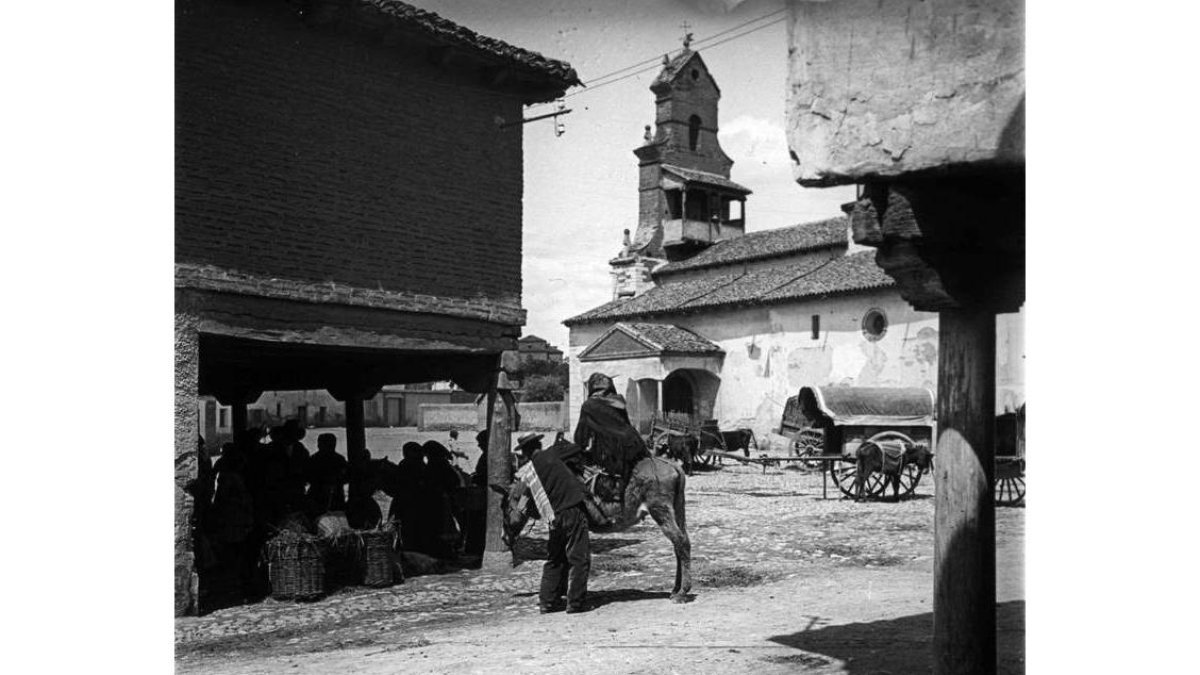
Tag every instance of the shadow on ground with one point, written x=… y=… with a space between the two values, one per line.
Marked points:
x=532 y=549
x=904 y=645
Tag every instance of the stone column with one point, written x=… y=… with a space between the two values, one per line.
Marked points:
x=187 y=432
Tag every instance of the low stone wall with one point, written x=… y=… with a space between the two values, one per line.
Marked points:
x=534 y=416
x=543 y=416
x=447 y=416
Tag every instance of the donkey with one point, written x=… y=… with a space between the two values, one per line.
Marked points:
x=656 y=485
x=888 y=458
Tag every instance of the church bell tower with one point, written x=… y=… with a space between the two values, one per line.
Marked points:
x=686 y=201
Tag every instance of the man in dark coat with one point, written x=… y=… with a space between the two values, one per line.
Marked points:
x=604 y=430
x=560 y=496
x=409 y=499
x=328 y=473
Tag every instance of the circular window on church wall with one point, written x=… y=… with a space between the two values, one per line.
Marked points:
x=874 y=324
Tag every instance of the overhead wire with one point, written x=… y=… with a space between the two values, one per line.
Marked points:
x=655 y=62
x=657 y=59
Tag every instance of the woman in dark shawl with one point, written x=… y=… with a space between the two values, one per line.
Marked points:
x=604 y=430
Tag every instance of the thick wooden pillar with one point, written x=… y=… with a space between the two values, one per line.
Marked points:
x=502 y=419
x=238 y=418
x=356 y=433
x=956 y=245
x=964 y=618
x=351 y=394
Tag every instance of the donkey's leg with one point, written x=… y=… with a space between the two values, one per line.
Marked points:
x=664 y=514
x=683 y=563
x=634 y=496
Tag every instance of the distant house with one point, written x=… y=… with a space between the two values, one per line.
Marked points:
x=718 y=323
x=323 y=238
x=534 y=348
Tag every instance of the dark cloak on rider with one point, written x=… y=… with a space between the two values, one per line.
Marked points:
x=604 y=429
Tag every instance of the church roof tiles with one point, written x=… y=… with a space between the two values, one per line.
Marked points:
x=776 y=243
x=846 y=274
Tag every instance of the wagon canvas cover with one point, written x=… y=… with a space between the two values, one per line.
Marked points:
x=872 y=406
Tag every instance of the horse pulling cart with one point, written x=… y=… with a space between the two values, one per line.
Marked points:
x=831 y=427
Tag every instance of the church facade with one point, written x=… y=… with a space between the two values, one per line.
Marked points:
x=717 y=323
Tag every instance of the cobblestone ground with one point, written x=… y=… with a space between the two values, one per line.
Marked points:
x=784 y=581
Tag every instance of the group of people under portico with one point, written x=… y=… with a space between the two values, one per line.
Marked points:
x=256 y=488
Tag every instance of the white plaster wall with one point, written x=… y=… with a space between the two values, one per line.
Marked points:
x=770 y=354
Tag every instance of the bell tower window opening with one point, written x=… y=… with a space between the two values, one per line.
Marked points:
x=693 y=132
x=697 y=207
x=674 y=204
x=731 y=209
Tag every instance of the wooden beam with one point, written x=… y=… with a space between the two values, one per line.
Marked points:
x=964 y=603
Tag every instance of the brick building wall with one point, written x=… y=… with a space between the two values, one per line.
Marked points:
x=305 y=155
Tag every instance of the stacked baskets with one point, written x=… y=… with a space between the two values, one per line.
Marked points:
x=305 y=566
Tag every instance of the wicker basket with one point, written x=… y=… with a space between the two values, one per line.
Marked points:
x=296 y=566
x=379 y=557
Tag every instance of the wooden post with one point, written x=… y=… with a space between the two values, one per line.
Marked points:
x=495 y=555
x=356 y=434
x=238 y=419
x=964 y=609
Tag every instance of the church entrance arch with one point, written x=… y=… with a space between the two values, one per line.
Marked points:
x=678 y=395
x=692 y=392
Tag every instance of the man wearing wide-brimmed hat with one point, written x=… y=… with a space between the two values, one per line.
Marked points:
x=528 y=444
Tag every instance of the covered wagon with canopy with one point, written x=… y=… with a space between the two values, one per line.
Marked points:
x=827 y=426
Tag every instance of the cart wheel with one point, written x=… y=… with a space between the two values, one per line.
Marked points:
x=891 y=436
x=910 y=476
x=1009 y=486
x=702 y=457
x=843 y=476
x=800 y=449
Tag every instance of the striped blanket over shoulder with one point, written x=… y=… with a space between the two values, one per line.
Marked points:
x=529 y=477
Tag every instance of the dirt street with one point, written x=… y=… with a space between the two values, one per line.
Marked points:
x=785 y=581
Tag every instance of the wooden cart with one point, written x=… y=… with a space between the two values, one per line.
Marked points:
x=828 y=424
x=1008 y=484
x=692 y=443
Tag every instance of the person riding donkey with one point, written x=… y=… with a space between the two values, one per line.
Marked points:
x=605 y=434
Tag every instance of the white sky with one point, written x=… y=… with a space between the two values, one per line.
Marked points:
x=581 y=188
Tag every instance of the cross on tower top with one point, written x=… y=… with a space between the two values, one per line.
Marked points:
x=687 y=34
